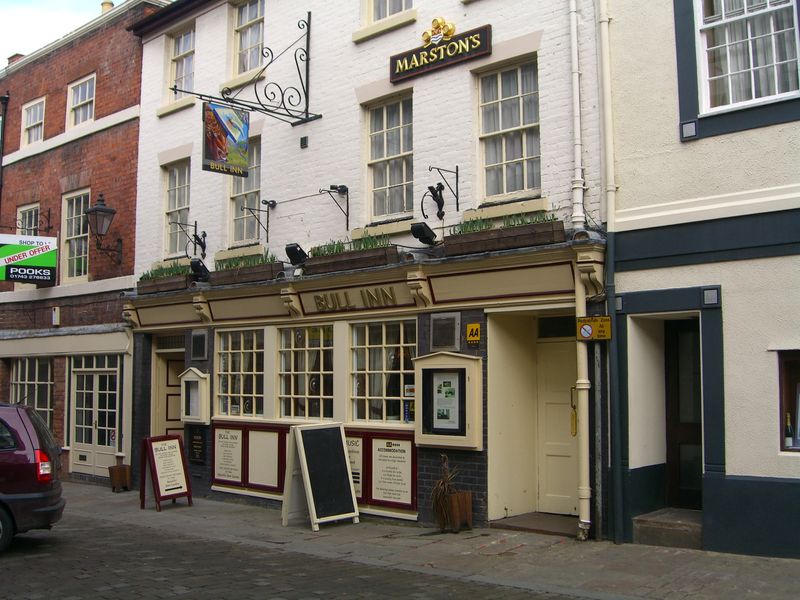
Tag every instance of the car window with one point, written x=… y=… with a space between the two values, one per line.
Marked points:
x=7 y=441
x=42 y=431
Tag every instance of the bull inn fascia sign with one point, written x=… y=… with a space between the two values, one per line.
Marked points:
x=442 y=47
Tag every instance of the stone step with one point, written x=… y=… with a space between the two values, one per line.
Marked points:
x=672 y=527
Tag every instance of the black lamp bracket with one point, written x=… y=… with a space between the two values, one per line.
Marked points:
x=192 y=238
x=285 y=103
x=42 y=225
x=113 y=252
x=253 y=213
x=341 y=190
x=447 y=183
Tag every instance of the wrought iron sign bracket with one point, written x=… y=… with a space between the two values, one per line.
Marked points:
x=43 y=224
x=192 y=238
x=342 y=190
x=447 y=183
x=269 y=204
x=288 y=104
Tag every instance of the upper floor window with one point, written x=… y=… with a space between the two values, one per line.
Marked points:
x=81 y=101
x=246 y=196
x=391 y=166
x=789 y=369
x=749 y=50
x=33 y=122
x=382 y=371
x=306 y=372
x=249 y=35
x=76 y=235
x=177 y=205
x=183 y=62
x=509 y=108
x=386 y=8
x=32 y=384
x=28 y=220
x=240 y=373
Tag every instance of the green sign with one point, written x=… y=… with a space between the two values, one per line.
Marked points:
x=28 y=259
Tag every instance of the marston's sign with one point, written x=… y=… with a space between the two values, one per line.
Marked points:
x=440 y=50
x=28 y=259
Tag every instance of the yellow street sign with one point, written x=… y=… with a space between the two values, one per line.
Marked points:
x=593 y=328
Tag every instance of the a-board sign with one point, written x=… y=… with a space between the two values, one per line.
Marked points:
x=317 y=456
x=164 y=458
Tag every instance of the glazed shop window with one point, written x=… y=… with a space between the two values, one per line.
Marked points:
x=509 y=109
x=382 y=371
x=246 y=196
x=790 y=399
x=33 y=122
x=28 y=220
x=306 y=372
x=32 y=385
x=177 y=205
x=249 y=35
x=81 y=101
x=183 y=62
x=386 y=8
x=240 y=373
x=391 y=166
x=76 y=235
x=749 y=51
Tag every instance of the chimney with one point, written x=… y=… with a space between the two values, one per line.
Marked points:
x=15 y=57
x=106 y=6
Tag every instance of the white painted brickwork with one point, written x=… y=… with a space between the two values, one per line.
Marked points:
x=445 y=118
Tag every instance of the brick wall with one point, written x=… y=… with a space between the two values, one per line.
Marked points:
x=90 y=309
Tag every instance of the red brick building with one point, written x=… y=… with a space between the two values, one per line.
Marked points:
x=70 y=133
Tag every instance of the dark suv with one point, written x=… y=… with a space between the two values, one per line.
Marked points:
x=30 y=492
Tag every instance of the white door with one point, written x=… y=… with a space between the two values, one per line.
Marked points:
x=557 y=448
x=95 y=414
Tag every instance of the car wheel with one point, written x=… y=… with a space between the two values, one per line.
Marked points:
x=6 y=529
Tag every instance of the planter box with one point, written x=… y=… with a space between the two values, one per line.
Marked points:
x=164 y=284
x=355 y=259
x=522 y=236
x=120 y=476
x=458 y=513
x=263 y=272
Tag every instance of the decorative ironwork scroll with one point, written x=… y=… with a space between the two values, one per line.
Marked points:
x=285 y=103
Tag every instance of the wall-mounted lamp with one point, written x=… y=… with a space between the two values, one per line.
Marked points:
x=297 y=256
x=199 y=270
x=423 y=233
x=100 y=217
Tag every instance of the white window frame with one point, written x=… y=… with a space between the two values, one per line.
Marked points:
x=371 y=377
x=380 y=160
x=87 y=102
x=75 y=237
x=240 y=373
x=177 y=211
x=530 y=156
x=28 y=219
x=243 y=27
x=378 y=10
x=34 y=389
x=95 y=367
x=729 y=19
x=180 y=57
x=246 y=192
x=305 y=386
x=30 y=127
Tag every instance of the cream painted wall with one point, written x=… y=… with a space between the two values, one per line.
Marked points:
x=445 y=118
x=647 y=433
x=653 y=167
x=759 y=317
x=512 y=488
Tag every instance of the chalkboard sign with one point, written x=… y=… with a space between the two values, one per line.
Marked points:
x=325 y=469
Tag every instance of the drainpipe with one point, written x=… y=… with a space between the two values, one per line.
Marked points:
x=4 y=101
x=582 y=384
x=610 y=204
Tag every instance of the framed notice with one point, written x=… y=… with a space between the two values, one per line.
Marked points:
x=391 y=471
x=228 y=454
x=444 y=401
x=164 y=458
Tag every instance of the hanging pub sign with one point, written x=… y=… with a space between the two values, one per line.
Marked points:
x=28 y=259
x=225 y=134
x=441 y=47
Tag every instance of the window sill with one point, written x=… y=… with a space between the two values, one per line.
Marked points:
x=377 y=28
x=713 y=112
x=508 y=206
x=176 y=106
x=237 y=251
x=375 y=425
x=243 y=79
x=401 y=225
